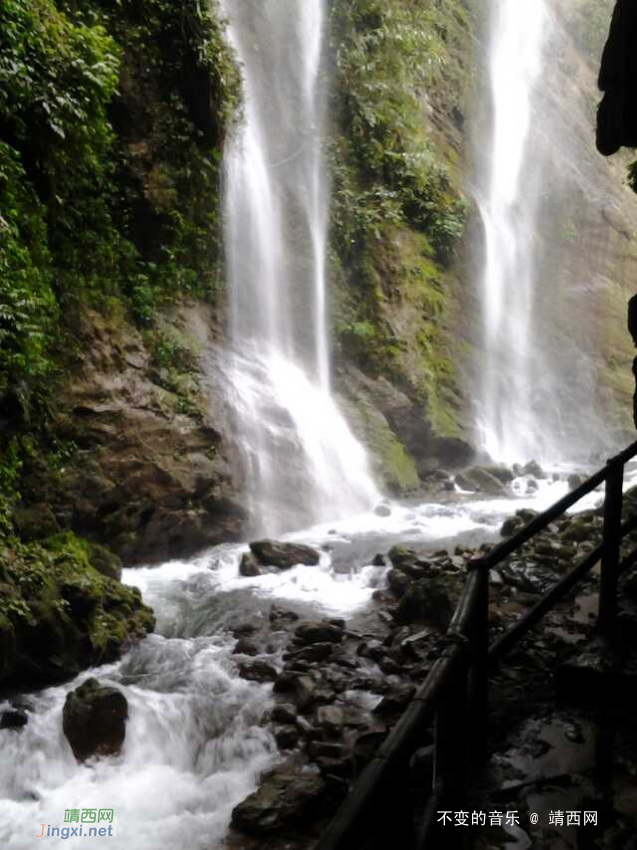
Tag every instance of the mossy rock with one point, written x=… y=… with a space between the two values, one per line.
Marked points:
x=61 y=614
x=35 y=522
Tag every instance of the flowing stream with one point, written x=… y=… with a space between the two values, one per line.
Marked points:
x=510 y=422
x=303 y=463
x=196 y=741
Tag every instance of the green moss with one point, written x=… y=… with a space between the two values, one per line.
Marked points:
x=398 y=212
x=63 y=613
x=113 y=118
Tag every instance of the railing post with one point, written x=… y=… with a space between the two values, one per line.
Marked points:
x=611 y=553
x=450 y=751
x=479 y=674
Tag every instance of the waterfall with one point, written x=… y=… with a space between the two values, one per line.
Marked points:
x=510 y=415
x=303 y=463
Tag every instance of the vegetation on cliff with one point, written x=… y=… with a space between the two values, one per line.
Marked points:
x=112 y=117
x=402 y=73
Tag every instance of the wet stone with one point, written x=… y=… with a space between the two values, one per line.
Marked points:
x=249 y=566
x=13 y=719
x=274 y=553
x=284 y=712
x=282 y=800
x=286 y=737
x=278 y=614
x=246 y=646
x=330 y=717
x=319 y=632
x=94 y=720
x=258 y=671
x=313 y=652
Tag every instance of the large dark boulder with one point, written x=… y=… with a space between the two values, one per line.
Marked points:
x=284 y=799
x=425 y=601
x=94 y=720
x=273 y=553
x=322 y=632
x=13 y=718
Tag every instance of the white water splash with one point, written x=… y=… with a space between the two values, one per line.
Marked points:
x=509 y=422
x=303 y=463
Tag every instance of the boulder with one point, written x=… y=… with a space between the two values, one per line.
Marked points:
x=533 y=468
x=106 y=563
x=398 y=582
x=273 y=553
x=284 y=713
x=330 y=717
x=465 y=483
x=249 y=566
x=286 y=737
x=402 y=557
x=484 y=481
x=258 y=670
x=502 y=473
x=246 y=646
x=382 y=510
x=425 y=601
x=284 y=799
x=13 y=718
x=282 y=615
x=321 y=632
x=94 y=720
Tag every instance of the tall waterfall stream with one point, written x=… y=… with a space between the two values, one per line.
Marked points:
x=196 y=739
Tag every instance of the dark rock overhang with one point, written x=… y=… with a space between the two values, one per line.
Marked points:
x=617 y=113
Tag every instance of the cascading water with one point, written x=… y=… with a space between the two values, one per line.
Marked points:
x=509 y=421
x=303 y=463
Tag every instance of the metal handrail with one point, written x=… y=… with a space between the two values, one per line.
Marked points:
x=454 y=694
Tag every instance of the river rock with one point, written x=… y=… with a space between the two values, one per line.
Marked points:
x=284 y=799
x=13 y=718
x=246 y=646
x=426 y=601
x=533 y=468
x=94 y=720
x=484 y=481
x=398 y=582
x=465 y=483
x=502 y=473
x=321 y=632
x=273 y=553
x=280 y=615
x=286 y=737
x=382 y=510
x=284 y=713
x=402 y=557
x=330 y=717
x=258 y=670
x=249 y=566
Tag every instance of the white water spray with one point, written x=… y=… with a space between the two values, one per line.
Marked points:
x=303 y=463
x=509 y=422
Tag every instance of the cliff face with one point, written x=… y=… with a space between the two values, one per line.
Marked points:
x=133 y=446
x=401 y=78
